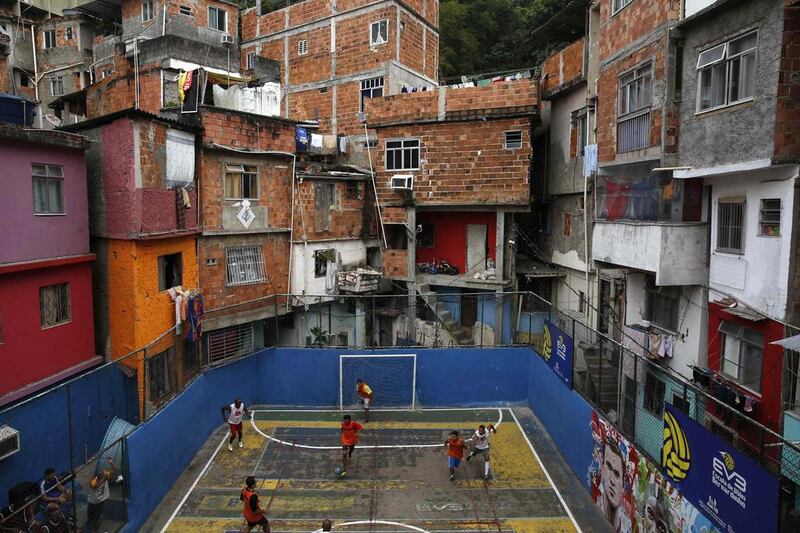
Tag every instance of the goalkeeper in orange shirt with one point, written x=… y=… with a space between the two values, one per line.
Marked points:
x=364 y=393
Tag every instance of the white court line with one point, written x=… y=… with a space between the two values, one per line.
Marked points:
x=196 y=481
x=368 y=447
x=546 y=473
x=357 y=407
x=382 y=522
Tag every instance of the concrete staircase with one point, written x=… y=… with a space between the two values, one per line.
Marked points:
x=603 y=377
x=462 y=335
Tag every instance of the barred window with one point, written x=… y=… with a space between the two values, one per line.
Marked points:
x=163 y=376
x=54 y=305
x=513 y=140
x=241 y=182
x=402 y=154
x=245 y=265
x=233 y=341
x=769 y=218
x=48 y=196
x=730 y=225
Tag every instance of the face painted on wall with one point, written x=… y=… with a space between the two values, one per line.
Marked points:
x=611 y=472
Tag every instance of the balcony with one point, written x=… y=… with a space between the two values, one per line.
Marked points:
x=677 y=252
x=633 y=133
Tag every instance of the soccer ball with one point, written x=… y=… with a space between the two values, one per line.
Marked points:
x=338 y=471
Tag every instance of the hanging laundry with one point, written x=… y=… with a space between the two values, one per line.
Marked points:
x=187 y=203
x=667 y=346
x=195 y=314
x=748 y=404
x=635 y=340
x=302 y=139
x=343 y=144
x=330 y=143
x=589 y=160
x=316 y=141
x=655 y=345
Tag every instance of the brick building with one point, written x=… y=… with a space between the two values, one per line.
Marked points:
x=335 y=53
x=452 y=168
x=46 y=329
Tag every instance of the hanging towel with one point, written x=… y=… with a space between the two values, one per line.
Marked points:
x=655 y=344
x=316 y=141
x=187 y=203
x=635 y=340
x=667 y=345
x=178 y=304
x=330 y=143
x=748 y=404
x=589 y=159
x=343 y=145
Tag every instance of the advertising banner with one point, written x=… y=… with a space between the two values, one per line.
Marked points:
x=557 y=351
x=731 y=489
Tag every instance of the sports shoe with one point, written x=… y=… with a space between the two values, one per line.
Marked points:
x=469 y=457
x=344 y=473
x=230 y=448
x=241 y=444
x=486 y=477
x=452 y=477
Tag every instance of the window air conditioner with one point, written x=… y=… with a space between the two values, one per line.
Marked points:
x=227 y=38
x=9 y=441
x=402 y=181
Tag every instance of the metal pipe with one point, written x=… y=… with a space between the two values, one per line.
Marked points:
x=291 y=235
x=35 y=73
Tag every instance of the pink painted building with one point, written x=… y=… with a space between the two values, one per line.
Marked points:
x=46 y=323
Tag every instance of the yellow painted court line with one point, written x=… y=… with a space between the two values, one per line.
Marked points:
x=313 y=424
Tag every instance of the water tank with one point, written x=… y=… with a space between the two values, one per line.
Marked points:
x=16 y=110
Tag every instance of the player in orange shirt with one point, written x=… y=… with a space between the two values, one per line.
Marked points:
x=350 y=431
x=365 y=393
x=455 y=452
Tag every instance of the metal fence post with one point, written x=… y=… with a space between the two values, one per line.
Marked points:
x=480 y=297
x=277 y=332
x=374 y=324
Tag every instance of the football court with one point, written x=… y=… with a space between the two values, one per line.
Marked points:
x=397 y=480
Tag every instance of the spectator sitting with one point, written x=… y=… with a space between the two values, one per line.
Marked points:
x=326 y=525
x=56 y=521
x=53 y=491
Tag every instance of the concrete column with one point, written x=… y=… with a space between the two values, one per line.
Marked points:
x=500 y=241
x=411 y=225
x=361 y=323
x=498 y=314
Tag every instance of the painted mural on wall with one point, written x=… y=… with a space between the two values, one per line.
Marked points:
x=631 y=491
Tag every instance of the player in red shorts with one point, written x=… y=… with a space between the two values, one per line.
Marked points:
x=455 y=452
x=365 y=394
x=233 y=415
x=350 y=431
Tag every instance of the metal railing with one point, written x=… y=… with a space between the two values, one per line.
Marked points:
x=633 y=133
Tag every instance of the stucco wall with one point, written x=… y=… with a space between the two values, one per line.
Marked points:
x=28 y=237
x=565 y=174
x=727 y=136
x=353 y=252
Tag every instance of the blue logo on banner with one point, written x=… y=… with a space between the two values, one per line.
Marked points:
x=557 y=351
x=731 y=489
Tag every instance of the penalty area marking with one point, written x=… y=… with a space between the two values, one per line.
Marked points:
x=380 y=522
x=368 y=447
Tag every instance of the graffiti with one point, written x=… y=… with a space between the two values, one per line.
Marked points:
x=632 y=493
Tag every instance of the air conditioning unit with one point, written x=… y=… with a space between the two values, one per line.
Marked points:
x=9 y=441
x=402 y=182
x=227 y=38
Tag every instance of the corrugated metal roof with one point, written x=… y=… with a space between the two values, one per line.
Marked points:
x=790 y=343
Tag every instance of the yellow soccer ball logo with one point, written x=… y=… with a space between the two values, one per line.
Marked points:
x=547 y=344
x=675 y=456
x=728 y=460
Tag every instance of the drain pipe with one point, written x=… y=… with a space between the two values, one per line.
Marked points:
x=36 y=75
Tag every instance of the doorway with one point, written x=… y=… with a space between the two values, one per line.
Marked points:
x=476 y=248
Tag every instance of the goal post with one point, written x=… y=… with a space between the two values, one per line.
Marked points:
x=392 y=378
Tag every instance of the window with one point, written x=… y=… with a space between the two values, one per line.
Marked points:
x=185 y=10
x=147 y=10
x=372 y=87
x=241 y=182
x=634 y=90
x=49 y=38
x=581 y=133
x=425 y=235
x=619 y=4
x=251 y=60
x=513 y=140
x=769 y=218
x=68 y=33
x=245 y=265
x=48 y=198
x=730 y=224
x=107 y=72
x=353 y=190
x=321 y=260
x=680 y=402
x=654 y=395
x=217 y=19
x=726 y=73
x=402 y=154
x=743 y=354
x=629 y=406
x=663 y=304
x=324 y=200
x=57 y=85
x=162 y=376
x=24 y=80
x=233 y=341
x=170 y=271
x=302 y=47
x=379 y=32
x=54 y=306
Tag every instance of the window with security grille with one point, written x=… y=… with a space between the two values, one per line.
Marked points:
x=402 y=154
x=245 y=265
x=727 y=73
x=241 y=182
x=54 y=305
x=379 y=32
x=513 y=140
x=233 y=341
x=49 y=38
x=769 y=218
x=370 y=88
x=743 y=354
x=730 y=225
x=48 y=195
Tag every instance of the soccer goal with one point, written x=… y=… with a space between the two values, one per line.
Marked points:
x=393 y=379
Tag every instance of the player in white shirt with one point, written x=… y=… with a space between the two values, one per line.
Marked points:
x=233 y=415
x=480 y=445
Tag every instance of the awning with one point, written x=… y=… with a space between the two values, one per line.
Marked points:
x=790 y=343
x=744 y=312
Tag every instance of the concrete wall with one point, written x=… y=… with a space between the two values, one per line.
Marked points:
x=41 y=236
x=353 y=253
x=759 y=276
x=727 y=136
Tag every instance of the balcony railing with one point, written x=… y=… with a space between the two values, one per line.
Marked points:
x=633 y=133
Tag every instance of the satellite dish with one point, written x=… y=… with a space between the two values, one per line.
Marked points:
x=53 y=120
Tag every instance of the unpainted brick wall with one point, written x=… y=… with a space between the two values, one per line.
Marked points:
x=395 y=264
x=314 y=104
x=314 y=66
x=563 y=67
x=353 y=52
x=346 y=215
x=787 y=119
x=244 y=130
x=633 y=22
x=462 y=163
x=411 y=35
